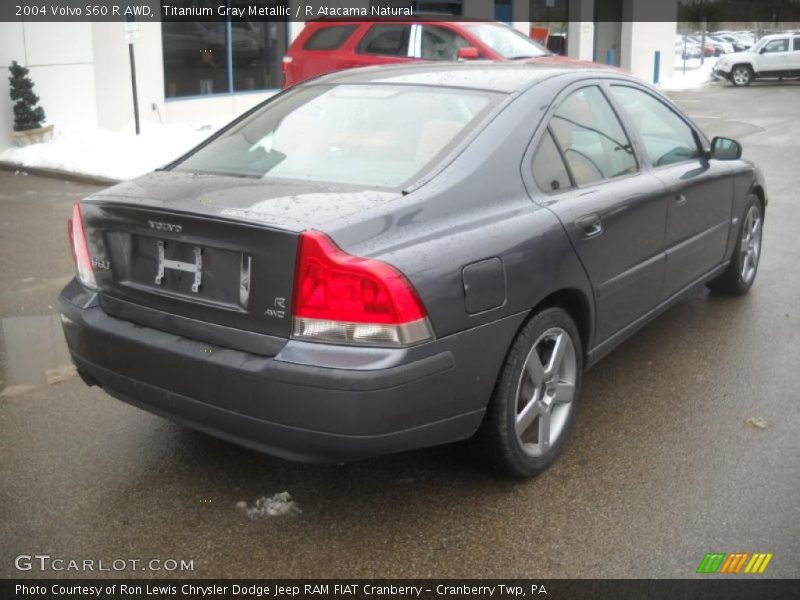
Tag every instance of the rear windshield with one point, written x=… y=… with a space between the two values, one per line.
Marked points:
x=371 y=135
x=329 y=38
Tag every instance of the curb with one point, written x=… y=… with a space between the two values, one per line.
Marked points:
x=57 y=174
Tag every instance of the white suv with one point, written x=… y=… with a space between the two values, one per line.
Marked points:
x=773 y=56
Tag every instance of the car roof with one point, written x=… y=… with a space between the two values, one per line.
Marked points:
x=778 y=35
x=497 y=76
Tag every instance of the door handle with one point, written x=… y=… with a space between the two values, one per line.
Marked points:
x=680 y=199
x=590 y=226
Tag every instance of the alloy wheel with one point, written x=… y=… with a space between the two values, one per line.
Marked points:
x=741 y=76
x=750 y=247
x=545 y=391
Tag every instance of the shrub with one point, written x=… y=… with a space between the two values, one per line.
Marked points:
x=26 y=114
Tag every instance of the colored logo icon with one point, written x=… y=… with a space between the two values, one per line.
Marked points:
x=734 y=563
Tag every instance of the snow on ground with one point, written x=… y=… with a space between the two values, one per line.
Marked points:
x=696 y=75
x=278 y=505
x=104 y=153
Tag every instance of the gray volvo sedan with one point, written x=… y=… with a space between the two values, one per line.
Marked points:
x=396 y=257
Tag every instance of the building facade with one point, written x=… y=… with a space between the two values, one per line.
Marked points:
x=203 y=73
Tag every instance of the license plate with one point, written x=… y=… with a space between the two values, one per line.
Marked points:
x=196 y=268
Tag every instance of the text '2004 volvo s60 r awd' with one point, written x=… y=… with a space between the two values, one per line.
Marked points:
x=397 y=257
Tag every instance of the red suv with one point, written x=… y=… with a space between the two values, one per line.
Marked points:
x=331 y=45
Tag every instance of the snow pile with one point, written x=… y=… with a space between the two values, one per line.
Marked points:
x=696 y=75
x=275 y=506
x=105 y=153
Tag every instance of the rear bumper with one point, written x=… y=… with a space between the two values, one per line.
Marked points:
x=310 y=402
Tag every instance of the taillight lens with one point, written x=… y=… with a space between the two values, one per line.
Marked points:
x=340 y=298
x=80 y=249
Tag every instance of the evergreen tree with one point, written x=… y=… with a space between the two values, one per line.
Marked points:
x=26 y=114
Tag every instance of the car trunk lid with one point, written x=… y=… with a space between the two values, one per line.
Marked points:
x=203 y=254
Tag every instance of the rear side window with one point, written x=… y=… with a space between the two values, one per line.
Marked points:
x=549 y=170
x=797 y=43
x=387 y=39
x=667 y=138
x=591 y=137
x=438 y=43
x=329 y=38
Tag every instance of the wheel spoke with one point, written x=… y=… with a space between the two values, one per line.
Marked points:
x=527 y=416
x=745 y=244
x=755 y=227
x=557 y=356
x=544 y=431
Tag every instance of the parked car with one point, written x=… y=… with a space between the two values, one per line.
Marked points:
x=389 y=258
x=333 y=44
x=708 y=48
x=686 y=49
x=773 y=56
x=723 y=46
x=738 y=43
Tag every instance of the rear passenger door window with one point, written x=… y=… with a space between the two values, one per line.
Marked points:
x=591 y=137
x=667 y=138
x=548 y=168
x=386 y=40
x=439 y=43
x=329 y=38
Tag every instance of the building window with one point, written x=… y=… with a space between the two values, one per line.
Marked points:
x=258 y=50
x=194 y=58
x=222 y=57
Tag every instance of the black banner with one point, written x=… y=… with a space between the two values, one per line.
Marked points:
x=752 y=11
x=733 y=588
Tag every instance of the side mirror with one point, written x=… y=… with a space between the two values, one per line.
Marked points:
x=725 y=149
x=468 y=53
x=763 y=50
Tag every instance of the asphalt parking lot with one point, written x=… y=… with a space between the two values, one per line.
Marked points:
x=661 y=468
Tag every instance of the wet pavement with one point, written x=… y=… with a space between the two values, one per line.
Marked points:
x=662 y=466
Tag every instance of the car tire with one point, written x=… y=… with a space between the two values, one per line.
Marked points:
x=536 y=396
x=741 y=75
x=738 y=278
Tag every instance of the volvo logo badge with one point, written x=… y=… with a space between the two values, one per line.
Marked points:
x=160 y=226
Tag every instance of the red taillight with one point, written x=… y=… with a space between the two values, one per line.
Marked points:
x=338 y=297
x=80 y=249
